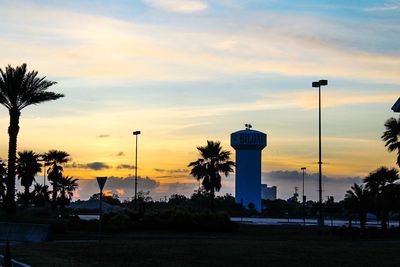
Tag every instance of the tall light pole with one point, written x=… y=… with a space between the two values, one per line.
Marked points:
x=136 y=133
x=319 y=84
x=304 y=198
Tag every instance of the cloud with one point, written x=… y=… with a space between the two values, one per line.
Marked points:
x=92 y=165
x=172 y=170
x=291 y=176
x=172 y=173
x=307 y=99
x=391 y=6
x=171 y=176
x=122 y=186
x=284 y=180
x=104 y=136
x=297 y=46
x=178 y=6
x=126 y=166
x=168 y=189
x=287 y=180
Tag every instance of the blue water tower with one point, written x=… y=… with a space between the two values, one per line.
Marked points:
x=248 y=144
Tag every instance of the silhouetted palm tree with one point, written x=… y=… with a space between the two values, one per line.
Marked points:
x=377 y=183
x=19 y=89
x=67 y=186
x=40 y=195
x=27 y=167
x=358 y=200
x=213 y=162
x=392 y=136
x=55 y=159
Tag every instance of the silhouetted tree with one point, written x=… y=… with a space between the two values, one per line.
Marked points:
x=377 y=183
x=67 y=185
x=358 y=200
x=27 y=167
x=392 y=136
x=213 y=162
x=40 y=195
x=112 y=200
x=177 y=200
x=55 y=159
x=19 y=89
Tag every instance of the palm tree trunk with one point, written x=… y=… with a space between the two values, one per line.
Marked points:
x=212 y=192
x=13 y=130
x=26 y=193
x=54 y=196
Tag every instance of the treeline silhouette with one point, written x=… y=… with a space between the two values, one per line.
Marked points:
x=28 y=165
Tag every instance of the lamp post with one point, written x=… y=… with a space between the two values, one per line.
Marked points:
x=319 y=84
x=136 y=133
x=304 y=198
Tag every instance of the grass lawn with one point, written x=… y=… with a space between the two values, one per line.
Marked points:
x=250 y=246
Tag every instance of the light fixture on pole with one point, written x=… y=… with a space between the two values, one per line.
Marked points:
x=136 y=133
x=304 y=198
x=319 y=84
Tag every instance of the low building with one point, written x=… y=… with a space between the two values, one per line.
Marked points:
x=268 y=193
x=396 y=106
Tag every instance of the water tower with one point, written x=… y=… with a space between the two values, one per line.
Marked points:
x=248 y=144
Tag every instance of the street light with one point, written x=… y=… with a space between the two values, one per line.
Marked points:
x=136 y=133
x=304 y=198
x=319 y=84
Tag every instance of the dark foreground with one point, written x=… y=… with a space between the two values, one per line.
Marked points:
x=249 y=246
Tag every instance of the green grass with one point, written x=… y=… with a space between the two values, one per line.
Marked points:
x=250 y=246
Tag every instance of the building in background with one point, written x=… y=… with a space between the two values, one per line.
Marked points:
x=248 y=145
x=396 y=106
x=268 y=193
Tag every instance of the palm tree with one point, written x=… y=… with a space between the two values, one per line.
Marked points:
x=55 y=159
x=67 y=186
x=40 y=195
x=378 y=183
x=19 y=89
x=358 y=200
x=213 y=162
x=27 y=167
x=392 y=136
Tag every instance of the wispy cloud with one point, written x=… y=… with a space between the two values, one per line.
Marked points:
x=96 y=166
x=332 y=98
x=172 y=170
x=178 y=6
x=126 y=166
x=288 y=46
x=389 y=6
x=104 y=136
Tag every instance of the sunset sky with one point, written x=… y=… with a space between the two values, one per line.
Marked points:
x=187 y=71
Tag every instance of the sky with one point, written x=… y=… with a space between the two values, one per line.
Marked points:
x=187 y=71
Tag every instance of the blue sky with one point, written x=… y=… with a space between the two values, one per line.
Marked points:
x=184 y=71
